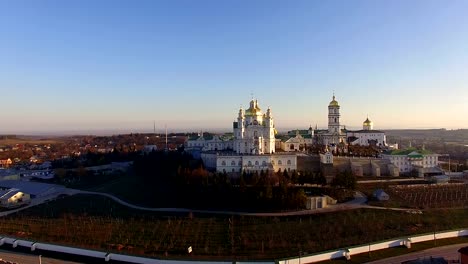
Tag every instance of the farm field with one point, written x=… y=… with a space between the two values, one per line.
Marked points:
x=421 y=196
x=432 y=196
x=99 y=223
x=29 y=140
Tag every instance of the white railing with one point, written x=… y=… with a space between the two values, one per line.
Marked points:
x=348 y=252
x=311 y=258
x=105 y=256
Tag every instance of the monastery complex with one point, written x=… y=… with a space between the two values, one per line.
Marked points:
x=255 y=145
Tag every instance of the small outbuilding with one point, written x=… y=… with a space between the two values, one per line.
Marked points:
x=317 y=202
x=439 y=179
x=13 y=197
x=381 y=195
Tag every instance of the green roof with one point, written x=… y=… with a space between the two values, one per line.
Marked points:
x=409 y=150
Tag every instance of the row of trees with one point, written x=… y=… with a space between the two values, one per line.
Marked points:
x=182 y=181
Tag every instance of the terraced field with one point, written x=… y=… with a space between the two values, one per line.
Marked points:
x=426 y=196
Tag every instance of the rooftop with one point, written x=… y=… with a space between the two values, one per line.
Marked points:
x=367 y=131
x=410 y=151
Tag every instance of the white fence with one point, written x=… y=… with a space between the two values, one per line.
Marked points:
x=104 y=255
x=348 y=252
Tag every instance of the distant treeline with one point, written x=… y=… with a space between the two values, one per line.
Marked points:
x=8 y=137
x=442 y=134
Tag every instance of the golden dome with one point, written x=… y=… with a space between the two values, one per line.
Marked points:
x=367 y=122
x=253 y=109
x=333 y=102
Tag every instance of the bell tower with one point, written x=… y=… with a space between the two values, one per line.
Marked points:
x=334 y=117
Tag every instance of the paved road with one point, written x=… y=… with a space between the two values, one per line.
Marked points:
x=358 y=202
x=448 y=252
x=22 y=258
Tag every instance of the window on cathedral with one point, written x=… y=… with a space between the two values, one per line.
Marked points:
x=256 y=162
x=280 y=162
x=250 y=163
x=289 y=162
x=272 y=162
x=264 y=163
x=223 y=163
x=233 y=163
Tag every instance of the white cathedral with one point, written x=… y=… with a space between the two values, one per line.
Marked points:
x=252 y=147
x=254 y=132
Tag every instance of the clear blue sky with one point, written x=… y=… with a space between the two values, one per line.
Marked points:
x=119 y=65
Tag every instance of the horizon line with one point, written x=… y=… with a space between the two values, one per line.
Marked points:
x=110 y=132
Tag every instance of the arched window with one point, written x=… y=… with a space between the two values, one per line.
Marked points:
x=250 y=163
x=280 y=162
x=291 y=147
x=289 y=162
x=264 y=163
x=272 y=162
x=233 y=163
x=256 y=162
x=223 y=163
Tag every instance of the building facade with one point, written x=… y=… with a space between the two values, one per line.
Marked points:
x=299 y=142
x=409 y=160
x=231 y=162
x=367 y=136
